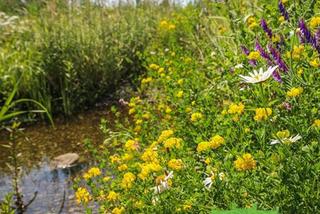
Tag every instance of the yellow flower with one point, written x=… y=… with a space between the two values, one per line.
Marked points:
x=115 y=158
x=118 y=210
x=315 y=63
x=179 y=94
x=175 y=164
x=149 y=155
x=180 y=81
x=82 y=195
x=188 y=109
x=112 y=196
x=154 y=66
x=236 y=109
x=294 y=92
x=262 y=113
x=146 y=116
x=131 y=145
x=297 y=52
x=172 y=143
x=300 y=72
x=283 y=134
x=316 y=123
x=132 y=111
x=146 y=169
x=168 y=110
x=315 y=22
x=254 y=55
x=93 y=172
x=122 y=167
x=276 y=38
x=127 y=157
x=160 y=70
x=165 y=135
x=252 y=23
x=106 y=178
x=138 y=204
x=196 y=116
x=146 y=80
x=216 y=141
x=127 y=180
x=203 y=146
x=246 y=162
x=281 y=19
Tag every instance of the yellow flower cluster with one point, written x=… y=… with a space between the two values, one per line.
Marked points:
x=254 y=55
x=154 y=66
x=118 y=210
x=82 y=195
x=112 y=196
x=167 y=25
x=115 y=158
x=179 y=94
x=196 y=116
x=127 y=180
x=252 y=23
x=315 y=22
x=316 y=123
x=236 y=108
x=146 y=80
x=131 y=145
x=297 y=52
x=262 y=113
x=283 y=134
x=122 y=167
x=315 y=63
x=165 y=135
x=147 y=168
x=246 y=162
x=93 y=172
x=175 y=164
x=214 y=143
x=294 y=92
x=172 y=143
x=150 y=155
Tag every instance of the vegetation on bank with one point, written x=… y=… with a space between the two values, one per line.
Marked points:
x=227 y=114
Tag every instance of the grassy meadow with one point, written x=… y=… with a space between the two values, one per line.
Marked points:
x=226 y=110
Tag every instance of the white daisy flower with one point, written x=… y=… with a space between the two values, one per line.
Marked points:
x=163 y=184
x=258 y=76
x=209 y=181
x=290 y=140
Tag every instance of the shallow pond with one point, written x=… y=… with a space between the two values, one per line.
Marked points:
x=38 y=145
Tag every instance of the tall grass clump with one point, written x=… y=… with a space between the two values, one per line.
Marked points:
x=74 y=55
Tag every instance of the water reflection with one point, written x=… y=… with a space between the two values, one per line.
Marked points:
x=40 y=144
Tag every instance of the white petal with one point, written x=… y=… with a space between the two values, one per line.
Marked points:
x=295 y=138
x=274 y=142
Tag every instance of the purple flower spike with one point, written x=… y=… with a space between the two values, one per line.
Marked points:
x=277 y=58
x=305 y=31
x=263 y=53
x=283 y=10
x=245 y=50
x=308 y=37
x=266 y=28
x=276 y=76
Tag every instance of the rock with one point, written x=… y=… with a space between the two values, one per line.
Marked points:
x=64 y=161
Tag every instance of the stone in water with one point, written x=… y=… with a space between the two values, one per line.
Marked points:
x=64 y=161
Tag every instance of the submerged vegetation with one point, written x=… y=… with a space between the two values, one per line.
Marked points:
x=226 y=107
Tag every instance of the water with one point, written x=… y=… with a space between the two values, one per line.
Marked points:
x=39 y=144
